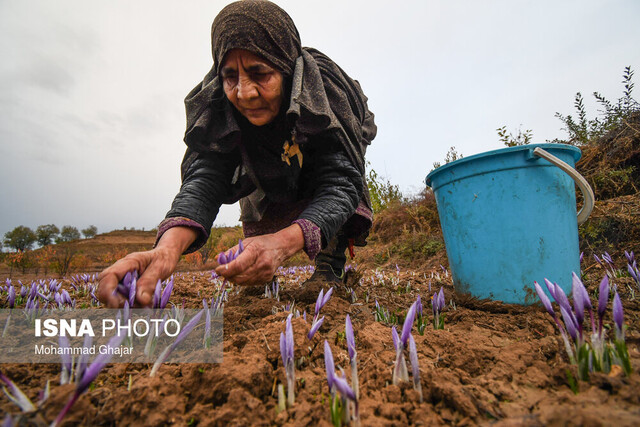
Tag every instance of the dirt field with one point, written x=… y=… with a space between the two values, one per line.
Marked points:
x=492 y=364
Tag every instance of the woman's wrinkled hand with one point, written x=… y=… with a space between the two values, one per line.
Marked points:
x=262 y=256
x=156 y=264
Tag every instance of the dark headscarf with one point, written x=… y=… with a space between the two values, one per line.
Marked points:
x=260 y=27
x=323 y=99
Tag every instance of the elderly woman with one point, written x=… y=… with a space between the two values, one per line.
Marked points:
x=281 y=129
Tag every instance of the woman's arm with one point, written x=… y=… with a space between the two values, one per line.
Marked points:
x=205 y=184
x=336 y=187
x=156 y=264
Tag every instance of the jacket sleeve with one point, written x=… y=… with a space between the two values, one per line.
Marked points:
x=206 y=183
x=336 y=188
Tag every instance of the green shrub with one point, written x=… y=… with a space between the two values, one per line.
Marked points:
x=582 y=130
x=383 y=194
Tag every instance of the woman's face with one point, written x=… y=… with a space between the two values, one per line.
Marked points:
x=252 y=85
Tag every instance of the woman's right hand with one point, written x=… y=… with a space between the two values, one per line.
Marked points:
x=153 y=265
x=156 y=264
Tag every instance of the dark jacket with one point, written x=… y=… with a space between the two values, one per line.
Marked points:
x=327 y=179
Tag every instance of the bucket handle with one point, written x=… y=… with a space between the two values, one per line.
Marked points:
x=582 y=183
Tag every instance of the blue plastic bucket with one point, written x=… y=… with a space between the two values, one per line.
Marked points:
x=509 y=218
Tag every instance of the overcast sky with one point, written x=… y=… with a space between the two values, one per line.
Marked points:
x=91 y=92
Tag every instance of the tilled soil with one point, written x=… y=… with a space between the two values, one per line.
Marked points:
x=493 y=364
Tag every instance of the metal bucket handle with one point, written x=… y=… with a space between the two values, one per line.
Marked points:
x=582 y=183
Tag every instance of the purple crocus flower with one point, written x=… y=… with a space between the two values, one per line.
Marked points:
x=603 y=297
x=314 y=327
x=618 y=315
x=83 y=360
x=66 y=297
x=65 y=375
x=632 y=272
x=418 y=306
x=343 y=388
x=89 y=375
x=98 y=364
x=607 y=258
x=408 y=324
x=441 y=301
x=328 y=363
x=561 y=298
x=546 y=302
x=320 y=302
x=166 y=293
x=578 y=299
x=157 y=294
x=207 y=324
x=12 y=296
x=287 y=353
x=322 y=299
x=569 y=322
x=132 y=292
x=222 y=258
x=396 y=338
x=551 y=288
x=184 y=332
x=580 y=293
x=289 y=338
x=415 y=366
x=225 y=258
x=334 y=380
x=351 y=342
x=34 y=291
x=16 y=395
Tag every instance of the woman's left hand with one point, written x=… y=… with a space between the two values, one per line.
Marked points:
x=262 y=255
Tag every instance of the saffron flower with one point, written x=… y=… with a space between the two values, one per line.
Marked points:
x=596 y=354
x=287 y=347
x=184 y=332
x=317 y=321
x=339 y=384
x=420 y=319
x=351 y=348
x=622 y=354
x=16 y=395
x=415 y=367
x=226 y=258
x=400 y=342
x=437 y=305
x=65 y=375
x=11 y=298
x=89 y=375
x=618 y=316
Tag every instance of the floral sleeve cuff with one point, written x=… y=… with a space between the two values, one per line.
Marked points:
x=312 y=237
x=168 y=223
